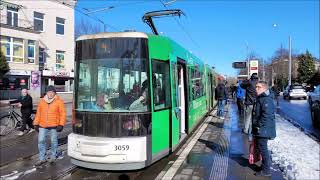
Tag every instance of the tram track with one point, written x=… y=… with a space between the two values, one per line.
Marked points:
x=63 y=169
x=21 y=140
x=82 y=173
x=10 y=151
x=24 y=139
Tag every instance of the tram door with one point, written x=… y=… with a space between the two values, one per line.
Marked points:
x=182 y=97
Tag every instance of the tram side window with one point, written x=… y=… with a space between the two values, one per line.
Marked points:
x=161 y=85
x=197 y=83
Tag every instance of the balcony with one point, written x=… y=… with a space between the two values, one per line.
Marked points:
x=22 y=24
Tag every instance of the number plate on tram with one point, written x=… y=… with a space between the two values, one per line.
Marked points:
x=121 y=147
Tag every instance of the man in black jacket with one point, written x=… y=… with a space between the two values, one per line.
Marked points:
x=263 y=127
x=250 y=98
x=25 y=103
x=221 y=96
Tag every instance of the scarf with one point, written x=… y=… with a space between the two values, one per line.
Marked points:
x=49 y=101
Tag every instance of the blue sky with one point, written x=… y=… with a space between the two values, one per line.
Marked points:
x=218 y=31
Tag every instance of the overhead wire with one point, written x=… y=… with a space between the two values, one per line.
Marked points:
x=92 y=17
x=125 y=4
x=181 y=26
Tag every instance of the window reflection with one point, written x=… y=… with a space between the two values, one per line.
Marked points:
x=113 y=85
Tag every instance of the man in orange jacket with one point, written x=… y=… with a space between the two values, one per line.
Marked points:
x=50 y=117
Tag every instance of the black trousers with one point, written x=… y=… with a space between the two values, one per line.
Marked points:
x=262 y=144
x=240 y=106
x=26 y=120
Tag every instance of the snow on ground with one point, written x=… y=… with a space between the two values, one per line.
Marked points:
x=296 y=153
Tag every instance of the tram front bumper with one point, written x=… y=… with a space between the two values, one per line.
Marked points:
x=99 y=150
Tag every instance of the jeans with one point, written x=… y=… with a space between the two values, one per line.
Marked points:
x=262 y=144
x=221 y=103
x=248 y=119
x=42 y=145
x=277 y=101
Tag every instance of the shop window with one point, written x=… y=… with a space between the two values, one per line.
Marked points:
x=59 y=59
x=31 y=51
x=60 y=85
x=12 y=16
x=161 y=85
x=60 y=26
x=38 y=21
x=14 y=83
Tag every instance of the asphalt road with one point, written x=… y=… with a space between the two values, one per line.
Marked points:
x=299 y=111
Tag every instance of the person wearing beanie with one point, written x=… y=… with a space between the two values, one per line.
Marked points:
x=50 y=118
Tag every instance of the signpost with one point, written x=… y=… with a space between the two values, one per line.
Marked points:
x=253 y=67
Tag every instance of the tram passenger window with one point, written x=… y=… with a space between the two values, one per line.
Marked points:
x=197 y=83
x=161 y=85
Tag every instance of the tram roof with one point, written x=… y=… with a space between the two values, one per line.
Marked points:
x=113 y=34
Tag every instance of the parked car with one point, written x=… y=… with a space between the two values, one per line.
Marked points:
x=295 y=91
x=314 y=101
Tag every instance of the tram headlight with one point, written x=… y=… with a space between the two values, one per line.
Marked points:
x=132 y=123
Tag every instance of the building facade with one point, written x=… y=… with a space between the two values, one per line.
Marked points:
x=37 y=38
x=281 y=67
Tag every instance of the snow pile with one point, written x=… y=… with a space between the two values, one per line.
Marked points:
x=295 y=152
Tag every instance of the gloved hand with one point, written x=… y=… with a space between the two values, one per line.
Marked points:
x=59 y=128
x=36 y=127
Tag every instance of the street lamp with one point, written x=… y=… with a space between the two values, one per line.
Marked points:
x=248 y=62
x=290 y=65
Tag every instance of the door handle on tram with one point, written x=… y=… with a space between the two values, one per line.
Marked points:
x=177 y=112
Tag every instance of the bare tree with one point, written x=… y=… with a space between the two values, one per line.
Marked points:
x=86 y=27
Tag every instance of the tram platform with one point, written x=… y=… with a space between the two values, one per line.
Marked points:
x=217 y=150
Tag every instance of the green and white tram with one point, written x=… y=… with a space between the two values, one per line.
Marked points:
x=136 y=97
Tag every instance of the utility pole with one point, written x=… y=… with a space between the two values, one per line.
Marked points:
x=289 y=78
x=264 y=71
x=248 y=62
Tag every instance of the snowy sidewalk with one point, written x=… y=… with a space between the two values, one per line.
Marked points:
x=296 y=153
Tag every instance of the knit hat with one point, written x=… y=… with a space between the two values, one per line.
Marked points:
x=51 y=88
x=254 y=76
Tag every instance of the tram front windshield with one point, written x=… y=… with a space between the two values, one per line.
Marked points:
x=113 y=78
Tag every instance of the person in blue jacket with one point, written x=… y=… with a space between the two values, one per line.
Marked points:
x=263 y=125
x=240 y=98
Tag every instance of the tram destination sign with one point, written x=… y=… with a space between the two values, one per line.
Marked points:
x=239 y=65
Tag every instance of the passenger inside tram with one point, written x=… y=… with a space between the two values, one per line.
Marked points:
x=140 y=104
x=102 y=102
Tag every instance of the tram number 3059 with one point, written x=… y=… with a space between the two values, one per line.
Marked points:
x=121 y=147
